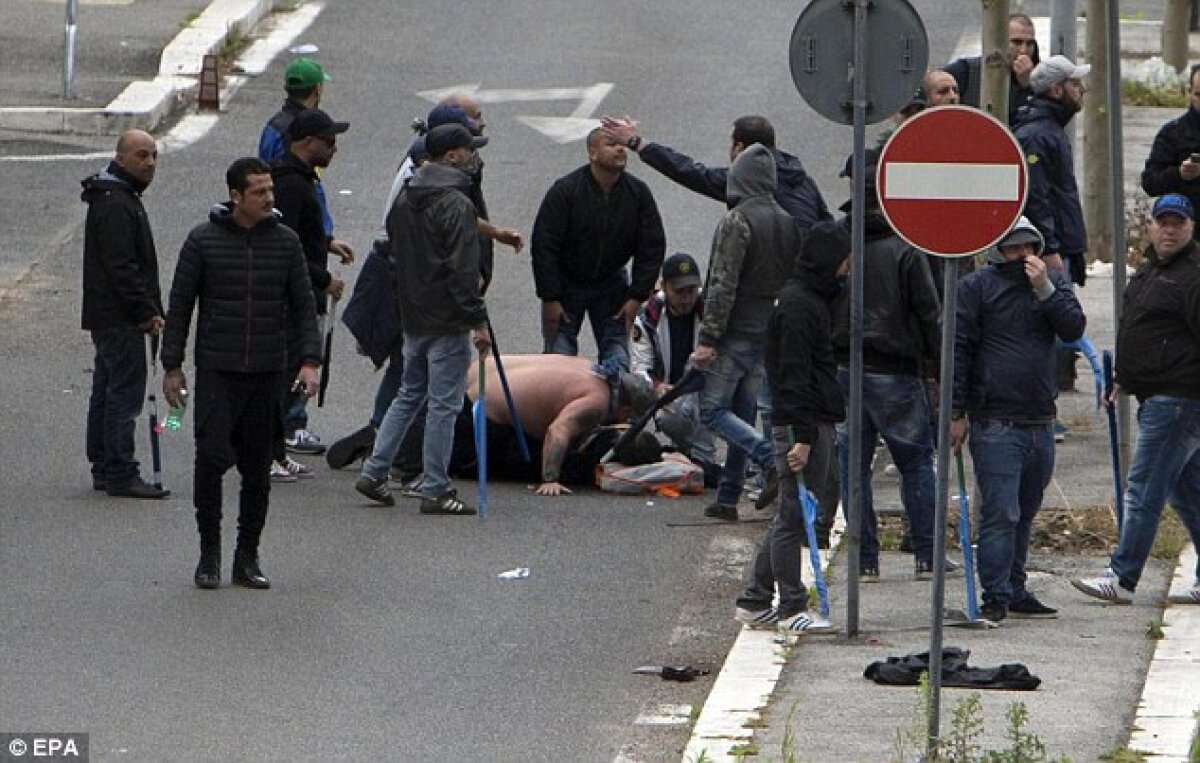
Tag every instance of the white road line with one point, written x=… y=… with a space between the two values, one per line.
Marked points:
x=952 y=182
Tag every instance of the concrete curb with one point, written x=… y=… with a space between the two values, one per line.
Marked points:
x=145 y=104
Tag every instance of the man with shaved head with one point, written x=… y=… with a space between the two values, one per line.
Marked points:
x=121 y=303
x=593 y=222
x=940 y=88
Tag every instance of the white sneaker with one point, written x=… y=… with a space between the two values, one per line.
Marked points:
x=295 y=468
x=1106 y=587
x=279 y=473
x=806 y=622
x=1189 y=596
x=891 y=470
x=412 y=488
x=763 y=618
x=304 y=441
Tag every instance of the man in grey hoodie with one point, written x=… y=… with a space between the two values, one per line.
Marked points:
x=752 y=254
x=435 y=250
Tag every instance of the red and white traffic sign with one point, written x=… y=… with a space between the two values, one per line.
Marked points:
x=952 y=180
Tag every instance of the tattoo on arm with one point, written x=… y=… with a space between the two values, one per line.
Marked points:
x=553 y=453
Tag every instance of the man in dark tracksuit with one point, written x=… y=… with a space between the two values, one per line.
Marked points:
x=593 y=222
x=248 y=273
x=808 y=400
x=121 y=302
x=1169 y=168
x=311 y=146
x=1010 y=315
x=1021 y=58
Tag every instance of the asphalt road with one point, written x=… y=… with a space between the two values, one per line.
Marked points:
x=387 y=635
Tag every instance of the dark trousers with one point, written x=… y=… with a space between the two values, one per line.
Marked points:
x=118 y=385
x=236 y=419
x=288 y=420
x=598 y=303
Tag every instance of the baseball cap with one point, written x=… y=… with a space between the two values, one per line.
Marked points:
x=315 y=123
x=304 y=72
x=1173 y=204
x=445 y=138
x=1056 y=70
x=447 y=114
x=680 y=270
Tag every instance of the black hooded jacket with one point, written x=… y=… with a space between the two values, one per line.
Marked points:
x=435 y=250
x=901 y=315
x=799 y=354
x=120 y=265
x=1176 y=141
x=297 y=201
x=250 y=284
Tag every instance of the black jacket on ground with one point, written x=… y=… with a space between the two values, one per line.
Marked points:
x=435 y=250
x=1158 y=342
x=1004 y=343
x=1053 y=206
x=799 y=354
x=120 y=265
x=901 y=313
x=250 y=284
x=1175 y=141
x=794 y=190
x=583 y=236
x=297 y=201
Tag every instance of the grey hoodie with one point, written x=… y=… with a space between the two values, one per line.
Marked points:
x=753 y=250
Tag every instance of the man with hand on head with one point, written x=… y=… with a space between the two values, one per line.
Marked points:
x=248 y=273
x=121 y=303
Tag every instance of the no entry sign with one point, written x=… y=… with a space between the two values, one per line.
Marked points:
x=952 y=180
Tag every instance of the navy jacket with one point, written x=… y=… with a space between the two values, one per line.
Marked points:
x=795 y=190
x=297 y=201
x=1053 y=206
x=1004 y=343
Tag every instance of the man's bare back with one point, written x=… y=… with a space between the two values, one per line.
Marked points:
x=558 y=398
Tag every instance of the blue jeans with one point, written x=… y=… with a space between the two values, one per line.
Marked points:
x=1013 y=466
x=1166 y=467
x=894 y=408
x=435 y=370
x=118 y=384
x=777 y=562
x=389 y=385
x=727 y=406
x=599 y=303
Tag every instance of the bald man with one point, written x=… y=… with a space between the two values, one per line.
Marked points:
x=121 y=303
x=940 y=88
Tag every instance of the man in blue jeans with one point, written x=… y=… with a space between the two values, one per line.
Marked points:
x=432 y=230
x=1010 y=316
x=754 y=248
x=1158 y=362
x=122 y=303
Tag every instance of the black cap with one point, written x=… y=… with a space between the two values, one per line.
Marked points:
x=314 y=123
x=680 y=269
x=448 y=137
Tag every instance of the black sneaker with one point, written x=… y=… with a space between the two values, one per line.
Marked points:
x=376 y=490
x=447 y=503
x=137 y=488
x=721 y=511
x=1030 y=608
x=924 y=570
x=993 y=612
x=868 y=575
x=769 y=492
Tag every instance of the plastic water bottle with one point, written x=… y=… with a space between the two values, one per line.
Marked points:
x=175 y=417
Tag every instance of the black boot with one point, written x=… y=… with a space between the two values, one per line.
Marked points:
x=246 y=572
x=351 y=448
x=208 y=571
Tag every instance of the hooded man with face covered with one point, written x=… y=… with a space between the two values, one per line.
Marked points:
x=808 y=401
x=1010 y=314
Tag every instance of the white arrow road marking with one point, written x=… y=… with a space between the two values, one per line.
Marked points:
x=574 y=127
x=952 y=182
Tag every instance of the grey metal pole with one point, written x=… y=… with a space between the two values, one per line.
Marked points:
x=1116 y=159
x=938 y=607
x=1062 y=36
x=857 y=239
x=69 y=52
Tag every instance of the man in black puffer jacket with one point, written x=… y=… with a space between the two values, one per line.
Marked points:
x=121 y=302
x=248 y=273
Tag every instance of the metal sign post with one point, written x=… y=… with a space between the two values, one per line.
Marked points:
x=950 y=199
x=883 y=62
x=69 y=52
